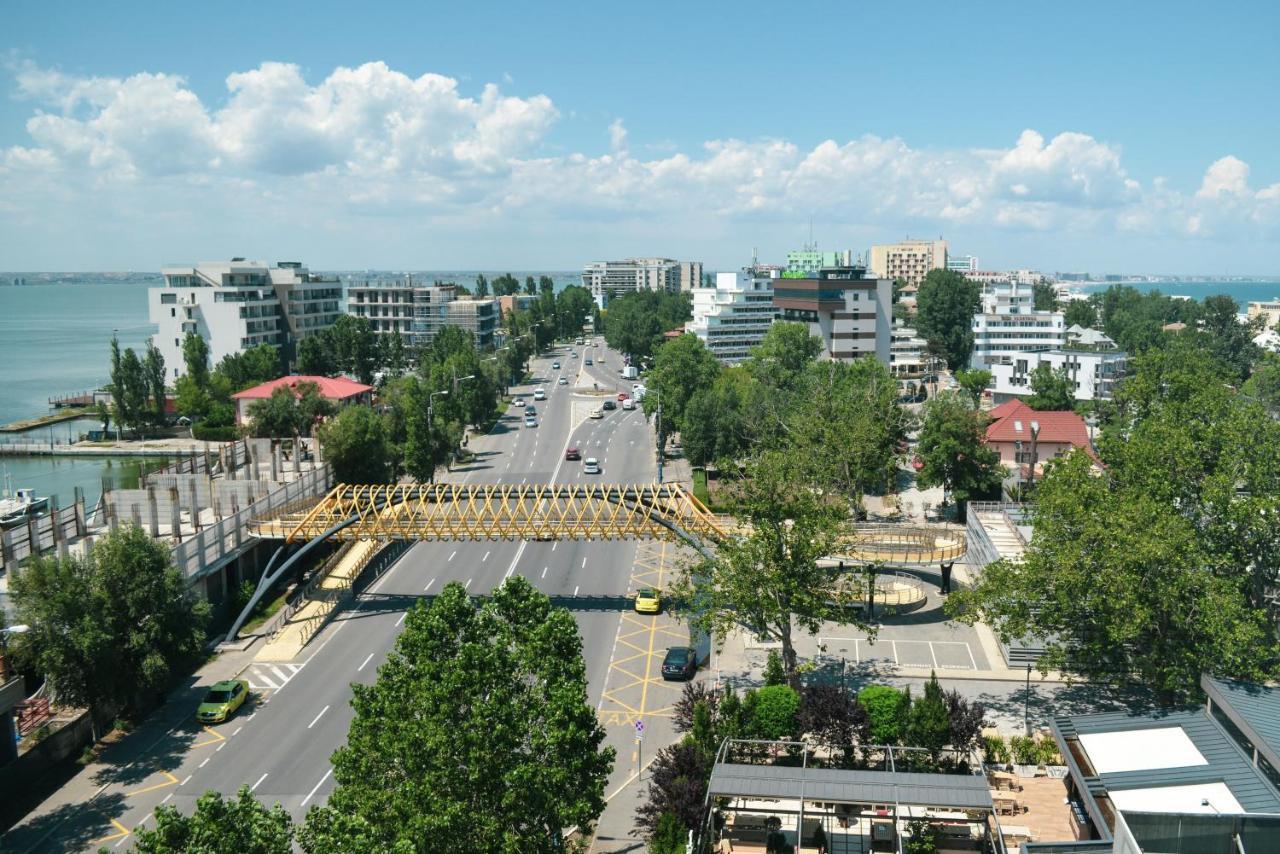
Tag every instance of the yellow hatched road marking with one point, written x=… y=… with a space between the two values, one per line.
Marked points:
x=173 y=781
x=123 y=832
x=217 y=737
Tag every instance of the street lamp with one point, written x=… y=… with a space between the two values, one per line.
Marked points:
x=1026 y=704
x=431 y=408
x=19 y=629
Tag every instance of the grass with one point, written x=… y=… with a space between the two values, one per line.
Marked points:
x=264 y=611
x=700 y=490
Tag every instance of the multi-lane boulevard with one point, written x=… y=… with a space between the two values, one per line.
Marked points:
x=280 y=744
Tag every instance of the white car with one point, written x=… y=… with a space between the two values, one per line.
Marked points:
x=530 y=421
x=564 y=381
x=518 y=403
x=597 y=413
x=591 y=466
x=539 y=394
x=628 y=404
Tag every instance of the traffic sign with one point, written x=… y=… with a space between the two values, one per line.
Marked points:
x=639 y=730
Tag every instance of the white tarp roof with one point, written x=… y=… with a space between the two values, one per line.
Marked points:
x=1172 y=799
x=1140 y=750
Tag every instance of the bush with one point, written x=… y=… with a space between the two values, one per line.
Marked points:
x=1048 y=752
x=994 y=750
x=773 y=672
x=883 y=708
x=1025 y=750
x=775 y=711
x=213 y=434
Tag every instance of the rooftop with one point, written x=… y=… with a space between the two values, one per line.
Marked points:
x=333 y=388
x=835 y=785
x=1012 y=422
x=1253 y=708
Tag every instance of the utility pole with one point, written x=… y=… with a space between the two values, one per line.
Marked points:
x=662 y=440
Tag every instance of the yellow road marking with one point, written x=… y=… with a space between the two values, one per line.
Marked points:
x=217 y=737
x=173 y=781
x=123 y=832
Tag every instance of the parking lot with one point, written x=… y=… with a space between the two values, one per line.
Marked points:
x=940 y=655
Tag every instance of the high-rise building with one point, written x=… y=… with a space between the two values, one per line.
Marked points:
x=235 y=305
x=965 y=265
x=850 y=312
x=609 y=279
x=735 y=315
x=1008 y=324
x=910 y=260
x=419 y=312
x=811 y=259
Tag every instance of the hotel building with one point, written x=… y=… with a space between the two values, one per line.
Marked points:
x=1009 y=325
x=609 y=279
x=910 y=260
x=735 y=315
x=419 y=312
x=851 y=313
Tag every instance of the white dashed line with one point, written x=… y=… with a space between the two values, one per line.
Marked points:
x=314 y=720
x=363 y=663
x=584 y=563
x=575 y=589
x=255 y=786
x=468 y=584
x=401 y=620
x=544 y=571
x=186 y=781
x=316 y=787
x=204 y=763
x=486 y=557
x=166 y=798
x=428 y=587
x=455 y=554
x=237 y=731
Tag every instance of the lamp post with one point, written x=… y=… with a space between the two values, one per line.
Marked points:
x=1026 y=704
x=431 y=409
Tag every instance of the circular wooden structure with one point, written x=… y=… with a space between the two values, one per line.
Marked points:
x=902 y=545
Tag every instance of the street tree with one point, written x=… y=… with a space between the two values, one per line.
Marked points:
x=1052 y=390
x=718 y=421
x=884 y=709
x=930 y=726
x=316 y=357
x=109 y=629
x=678 y=781
x=835 y=718
x=355 y=346
x=477 y=734
x=682 y=367
x=195 y=357
x=238 y=825
x=974 y=381
x=954 y=455
x=784 y=354
x=945 y=305
x=966 y=719
x=769 y=581
x=153 y=376
x=357 y=445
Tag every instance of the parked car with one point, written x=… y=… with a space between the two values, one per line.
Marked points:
x=648 y=601
x=591 y=466
x=572 y=454
x=680 y=662
x=222 y=700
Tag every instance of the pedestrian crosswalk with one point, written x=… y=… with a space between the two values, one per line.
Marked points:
x=271 y=677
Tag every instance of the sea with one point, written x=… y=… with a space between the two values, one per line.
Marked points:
x=55 y=336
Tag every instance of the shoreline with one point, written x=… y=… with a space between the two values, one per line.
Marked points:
x=25 y=424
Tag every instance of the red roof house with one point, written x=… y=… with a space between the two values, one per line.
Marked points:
x=1057 y=434
x=339 y=390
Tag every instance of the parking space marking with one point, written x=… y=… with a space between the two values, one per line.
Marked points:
x=940 y=655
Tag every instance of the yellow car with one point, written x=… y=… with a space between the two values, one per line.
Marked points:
x=648 y=601
x=222 y=701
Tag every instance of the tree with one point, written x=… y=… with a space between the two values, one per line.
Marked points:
x=477 y=733
x=930 y=726
x=1264 y=384
x=718 y=422
x=239 y=825
x=954 y=455
x=835 y=718
x=195 y=356
x=546 y=284
x=109 y=629
x=669 y=835
x=1052 y=390
x=769 y=580
x=316 y=357
x=482 y=286
x=682 y=368
x=773 y=672
x=394 y=358
x=1044 y=296
x=133 y=375
x=882 y=704
x=974 y=381
x=251 y=367
x=1080 y=312
x=945 y=305
x=119 y=399
x=1226 y=338
x=530 y=286
x=277 y=416
x=966 y=720
x=356 y=444
x=153 y=376
x=784 y=354
x=774 y=716
x=191 y=399
x=635 y=322
x=677 y=786
x=355 y=347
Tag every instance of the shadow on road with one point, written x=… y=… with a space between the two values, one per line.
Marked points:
x=76 y=826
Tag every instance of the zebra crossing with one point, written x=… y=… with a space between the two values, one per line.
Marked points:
x=271 y=677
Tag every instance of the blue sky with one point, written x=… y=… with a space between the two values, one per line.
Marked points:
x=1127 y=137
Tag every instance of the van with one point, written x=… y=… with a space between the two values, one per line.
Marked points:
x=628 y=404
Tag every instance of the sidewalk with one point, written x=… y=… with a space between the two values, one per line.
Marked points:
x=82 y=798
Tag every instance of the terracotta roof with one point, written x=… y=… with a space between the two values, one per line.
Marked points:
x=333 y=388
x=1065 y=427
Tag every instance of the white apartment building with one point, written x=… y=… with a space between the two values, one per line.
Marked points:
x=907 y=353
x=235 y=305
x=910 y=260
x=735 y=315
x=419 y=312
x=965 y=265
x=850 y=312
x=1008 y=325
x=1270 y=309
x=1095 y=372
x=609 y=279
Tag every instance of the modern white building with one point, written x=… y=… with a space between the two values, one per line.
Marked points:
x=907 y=353
x=235 y=305
x=735 y=315
x=609 y=279
x=1268 y=309
x=965 y=265
x=851 y=312
x=910 y=260
x=1009 y=325
x=1095 y=372
x=419 y=312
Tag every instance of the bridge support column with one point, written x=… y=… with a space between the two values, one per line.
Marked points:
x=946 y=577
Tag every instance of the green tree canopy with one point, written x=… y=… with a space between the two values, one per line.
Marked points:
x=774 y=715
x=111 y=628
x=882 y=704
x=974 y=381
x=477 y=734
x=356 y=444
x=252 y=367
x=354 y=346
x=316 y=357
x=1080 y=312
x=952 y=450
x=195 y=356
x=682 y=368
x=1052 y=390
x=930 y=726
x=635 y=322
x=239 y=825
x=1044 y=296
x=945 y=305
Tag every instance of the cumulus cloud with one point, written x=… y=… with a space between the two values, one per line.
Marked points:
x=371 y=139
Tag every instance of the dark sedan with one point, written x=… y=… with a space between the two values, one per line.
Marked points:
x=681 y=662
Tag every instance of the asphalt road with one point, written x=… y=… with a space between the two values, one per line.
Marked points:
x=280 y=744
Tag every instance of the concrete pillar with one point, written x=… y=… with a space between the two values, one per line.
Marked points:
x=946 y=576
x=33 y=534
x=113 y=514
x=214 y=498
x=175 y=514
x=275 y=461
x=255 y=470
x=153 y=509
x=193 y=505
x=206 y=457
x=82 y=527
x=137 y=514
x=6 y=549
x=55 y=520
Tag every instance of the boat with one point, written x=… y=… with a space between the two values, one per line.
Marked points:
x=16 y=506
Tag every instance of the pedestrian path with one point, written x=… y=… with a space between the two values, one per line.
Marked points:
x=320 y=604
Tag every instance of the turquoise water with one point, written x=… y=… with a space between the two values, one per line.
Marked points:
x=1241 y=292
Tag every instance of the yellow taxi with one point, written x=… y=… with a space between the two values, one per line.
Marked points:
x=648 y=601
x=222 y=701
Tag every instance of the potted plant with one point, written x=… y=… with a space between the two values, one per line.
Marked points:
x=994 y=750
x=1026 y=755
x=1051 y=759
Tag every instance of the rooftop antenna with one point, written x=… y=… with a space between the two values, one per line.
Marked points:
x=812 y=245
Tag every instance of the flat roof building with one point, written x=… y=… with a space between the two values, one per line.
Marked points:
x=1008 y=324
x=1095 y=373
x=910 y=260
x=735 y=315
x=851 y=313
x=419 y=312
x=607 y=280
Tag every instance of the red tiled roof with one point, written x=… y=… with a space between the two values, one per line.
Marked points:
x=1064 y=427
x=333 y=388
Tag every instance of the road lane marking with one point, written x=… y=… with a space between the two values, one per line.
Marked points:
x=216 y=737
x=544 y=571
x=486 y=557
x=185 y=781
x=172 y=781
x=401 y=620
x=553 y=545
x=316 y=787
x=205 y=762
x=575 y=589
x=314 y=720
x=428 y=587
x=219 y=747
x=584 y=563
x=237 y=730
x=455 y=554
x=166 y=798
x=519 y=551
x=255 y=786
x=467 y=586
x=363 y=663
x=121 y=835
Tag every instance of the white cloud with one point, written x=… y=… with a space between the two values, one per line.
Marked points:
x=371 y=140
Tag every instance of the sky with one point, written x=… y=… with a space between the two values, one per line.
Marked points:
x=1110 y=137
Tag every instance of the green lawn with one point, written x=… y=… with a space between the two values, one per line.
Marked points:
x=700 y=490
x=264 y=611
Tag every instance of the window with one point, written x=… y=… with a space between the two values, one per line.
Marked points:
x=176 y=343
x=173 y=312
x=168 y=299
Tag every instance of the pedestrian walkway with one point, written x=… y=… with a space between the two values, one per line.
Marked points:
x=320 y=602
